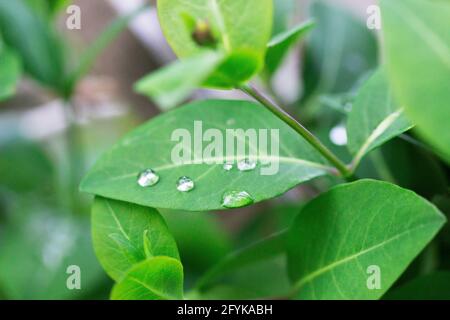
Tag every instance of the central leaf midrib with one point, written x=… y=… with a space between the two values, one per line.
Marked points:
x=313 y=275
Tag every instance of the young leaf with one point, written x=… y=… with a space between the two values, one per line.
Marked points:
x=280 y=45
x=10 y=72
x=339 y=50
x=417 y=40
x=164 y=144
x=125 y=234
x=375 y=117
x=159 y=278
x=434 y=286
x=357 y=235
x=173 y=84
x=217 y=19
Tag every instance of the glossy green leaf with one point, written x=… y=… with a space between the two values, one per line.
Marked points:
x=153 y=144
x=280 y=45
x=339 y=50
x=159 y=278
x=173 y=84
x=417 y=51
x=125 y=234
x=375 y=117
x=435 y=286
x=34 y=41
x=10 y=72
x=341 y=235
x=249 y=34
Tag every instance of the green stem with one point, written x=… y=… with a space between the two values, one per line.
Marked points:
x=300 y=129
x=74 y=153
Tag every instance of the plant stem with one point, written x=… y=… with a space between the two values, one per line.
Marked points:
x=74 y=152
x=300 y=129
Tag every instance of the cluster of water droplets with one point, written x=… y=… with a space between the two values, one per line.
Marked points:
x=231 y=199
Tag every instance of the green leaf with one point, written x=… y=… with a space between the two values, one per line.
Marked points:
x=375 y=117
x=154 y=144
x=10 y=72
x=417 y=40
x=339 y=50
x=263 y=250
x=159 y=278
x=250 y=33
x=34 y=40
x=125 y=234
x=280 y=45
x=173 y=84
x=214 y=241
x=33 y=169
x=338 y=236
x=434 y=286
x=39 y=243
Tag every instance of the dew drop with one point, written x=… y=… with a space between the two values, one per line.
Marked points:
x=246 y=165
x=236 y=199
x=338 y=135
x=148 y=178
x=227 y=166
x=185 y=184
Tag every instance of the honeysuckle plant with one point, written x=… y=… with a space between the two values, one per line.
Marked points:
x=355 y=239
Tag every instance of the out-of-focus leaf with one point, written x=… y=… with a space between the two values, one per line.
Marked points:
x=194 y=230
x=417 y=40
x=243 y=40
x=34 y=41
x=38 y=245
x=375 y=117
x=339 y=237
x=280 y=45
x=152 y=146
x=266 y=279
x=414 y=168
x=266 y=249
x=125 y=234
x=24 y=166
x=47 y=8
x=159 y=278
x=339 y=50
x=283 y=14
x=171 y=85
x=10 y=72
x=434 y=286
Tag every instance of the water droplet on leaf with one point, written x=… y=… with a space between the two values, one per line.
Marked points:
x=246 y=165
x=148 y=178
x=227 y=166
x=338 y=135
x=236 y=199
x=185 y=184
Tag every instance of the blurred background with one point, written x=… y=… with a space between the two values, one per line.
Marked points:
x=56 y=124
